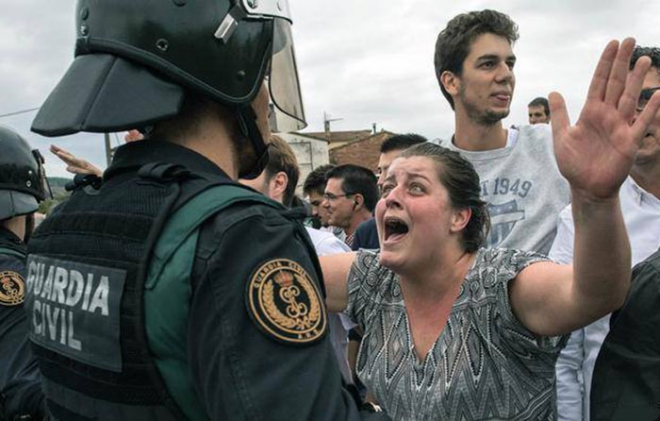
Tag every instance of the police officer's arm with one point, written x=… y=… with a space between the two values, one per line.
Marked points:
x=335 y=274
x=20 y=380
x=253 y=355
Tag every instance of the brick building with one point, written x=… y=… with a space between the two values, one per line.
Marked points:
x=360 y=147
x=363 y=152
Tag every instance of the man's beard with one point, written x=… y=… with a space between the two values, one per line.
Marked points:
x=245 y=157
x=482 y=118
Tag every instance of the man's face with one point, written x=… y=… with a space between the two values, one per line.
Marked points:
x=318 y=211
x=537 y=114
x=485 y=87
x=338 y=204
x=649 y=152
x=384 y=162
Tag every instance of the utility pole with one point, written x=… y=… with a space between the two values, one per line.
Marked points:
x=326 y=124
x=108 y=149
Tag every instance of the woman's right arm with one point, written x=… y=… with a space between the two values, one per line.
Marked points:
x=335 y=276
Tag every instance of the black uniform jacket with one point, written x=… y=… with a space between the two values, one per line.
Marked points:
x=626 y=380
x=20 y=381
x=245 y=361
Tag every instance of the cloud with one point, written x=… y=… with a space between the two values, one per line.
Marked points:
x=364 y=61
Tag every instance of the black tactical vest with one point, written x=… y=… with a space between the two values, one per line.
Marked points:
x=86 y=271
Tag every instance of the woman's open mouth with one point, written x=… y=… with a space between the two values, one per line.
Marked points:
x=395 y=229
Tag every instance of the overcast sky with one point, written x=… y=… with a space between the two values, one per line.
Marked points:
x=362 y=61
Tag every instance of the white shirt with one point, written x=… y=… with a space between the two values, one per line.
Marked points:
x=575 y=366
x=325 y=243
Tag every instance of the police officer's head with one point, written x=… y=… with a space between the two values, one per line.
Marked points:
x=21 y=177
x=142 y=62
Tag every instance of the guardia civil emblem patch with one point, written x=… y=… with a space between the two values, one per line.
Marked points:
x=12 y=288
x=285 y=303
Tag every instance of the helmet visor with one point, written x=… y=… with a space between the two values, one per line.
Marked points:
x=283 y=80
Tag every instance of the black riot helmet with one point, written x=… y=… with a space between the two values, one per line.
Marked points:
x=135 y=60
x=21 y=176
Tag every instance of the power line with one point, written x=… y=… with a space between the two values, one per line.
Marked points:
x=18 y=112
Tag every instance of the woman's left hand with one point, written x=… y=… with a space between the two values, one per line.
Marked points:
x=596 y=154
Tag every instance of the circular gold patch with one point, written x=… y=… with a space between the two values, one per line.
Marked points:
x=285 y=303
x=12 y=288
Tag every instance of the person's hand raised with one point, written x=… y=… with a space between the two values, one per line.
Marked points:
x=74 y=164
x=596 y=154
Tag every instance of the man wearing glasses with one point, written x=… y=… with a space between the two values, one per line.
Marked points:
x=640 y=205
x=350 y=197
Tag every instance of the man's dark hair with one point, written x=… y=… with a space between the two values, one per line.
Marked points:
x=543 y=102
x=281 y=158
x=453 y=43
x=650 y=52
x=400 y=142
x=357 y=180
x=317 y=179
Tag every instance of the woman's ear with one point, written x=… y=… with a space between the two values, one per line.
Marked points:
x=460 y=219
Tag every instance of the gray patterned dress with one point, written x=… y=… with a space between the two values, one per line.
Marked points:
x=485 y=365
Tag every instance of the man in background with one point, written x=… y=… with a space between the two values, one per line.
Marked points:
x=350 y=197
x=539 y=111
x=520 y=181
x=314 y=188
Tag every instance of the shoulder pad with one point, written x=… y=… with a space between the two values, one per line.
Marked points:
x=12 y=288
x=285 y=303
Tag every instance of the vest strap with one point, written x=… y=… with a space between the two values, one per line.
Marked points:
x=168 y=289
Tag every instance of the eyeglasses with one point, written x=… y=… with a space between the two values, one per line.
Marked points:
x=644 y=97
x=332 y=197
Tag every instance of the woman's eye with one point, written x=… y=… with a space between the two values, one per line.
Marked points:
x=415 y=188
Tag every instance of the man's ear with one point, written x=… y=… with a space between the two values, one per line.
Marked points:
x=460 y=219
x=358 y=201
x=278 y=184
x=451 y=82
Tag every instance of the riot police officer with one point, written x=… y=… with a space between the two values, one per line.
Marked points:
x=172 y=292
x=21 y=190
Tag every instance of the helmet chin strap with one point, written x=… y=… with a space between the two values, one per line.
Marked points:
x=29 y=227
x=247 y=122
